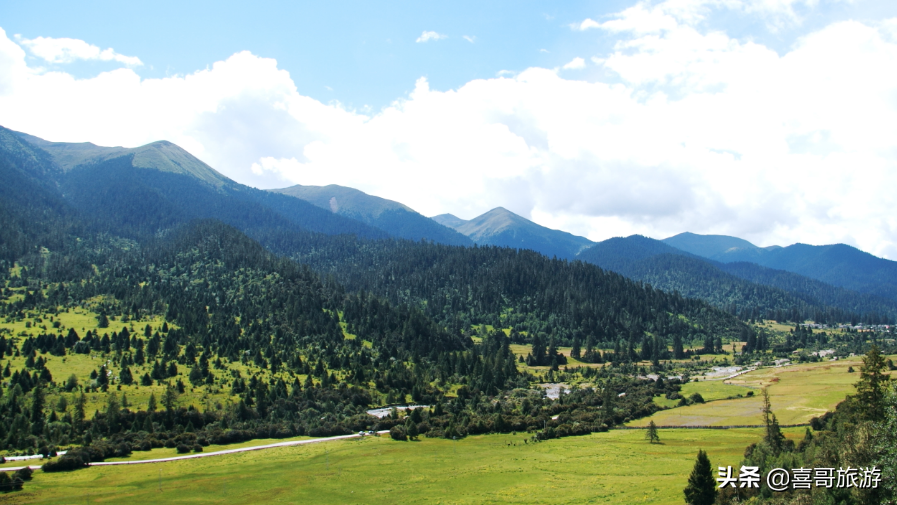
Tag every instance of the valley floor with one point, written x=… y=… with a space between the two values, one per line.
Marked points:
x=617 y=466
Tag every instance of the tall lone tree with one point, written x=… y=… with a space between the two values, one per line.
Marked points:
x=701 y=488
x=872 y=386
x=651 y=436
x=774 y=437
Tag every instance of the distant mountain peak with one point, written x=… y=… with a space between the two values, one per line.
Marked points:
x=449 y=220
x=393 y=217
x=502 y=227
x=160 y=155
x=708 y=246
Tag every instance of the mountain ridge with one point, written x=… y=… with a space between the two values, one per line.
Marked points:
x=501 y=227
x=393 y=217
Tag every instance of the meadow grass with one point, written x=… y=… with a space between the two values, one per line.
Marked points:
x=797 y=394
x=613 y=467
x=709 y=390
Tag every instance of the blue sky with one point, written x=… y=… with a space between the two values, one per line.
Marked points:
x=771 y=120
x=364 y=53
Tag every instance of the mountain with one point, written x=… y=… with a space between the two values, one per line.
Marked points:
x=161 y=155
x=716 y=246
x=502 y=227
x=393 y=217
x=836 y=264
x=449 y=220
x=749 y=289
x=135 y=192
x=32 y=211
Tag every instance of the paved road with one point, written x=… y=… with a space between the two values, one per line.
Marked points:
x=210 y=454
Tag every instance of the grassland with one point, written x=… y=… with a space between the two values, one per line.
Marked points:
x=709 y=390
x=797 y=394
x=614 y=467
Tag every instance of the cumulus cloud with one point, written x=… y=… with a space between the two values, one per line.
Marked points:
x=585 y=24
x=428 y=36
x=699 y=132
x=64 y=50
x=575 y=64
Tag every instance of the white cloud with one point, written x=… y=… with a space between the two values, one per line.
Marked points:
x=65 y=50
x=586 y=24
x=700 y=132
x=470 y=38
x=428 y=36
x=575 y=64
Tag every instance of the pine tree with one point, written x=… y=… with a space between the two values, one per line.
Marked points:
x=38 y=399
x=651 y=436
x=872 y=385
x=701 y=488
x=773 y=437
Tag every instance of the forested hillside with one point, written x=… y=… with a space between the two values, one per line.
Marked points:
x=835 y=264
x=569 y=302
x=746 y=289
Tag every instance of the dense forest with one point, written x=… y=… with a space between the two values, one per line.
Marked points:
x=747 y=290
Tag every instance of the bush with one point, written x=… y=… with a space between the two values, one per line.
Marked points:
x=398 y=433
x=66 y=463
x=122 y=450
x=24 y=473
x=183 y=449
x=697 y=398
x=197 y=448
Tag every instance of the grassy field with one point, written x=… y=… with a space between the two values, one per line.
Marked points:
x=618 y=466
x=709 y=390
x=797 y=394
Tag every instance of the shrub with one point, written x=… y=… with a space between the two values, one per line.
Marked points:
x=398 y=433
x=197 y=448
x=122 y=450
x=66 y=463
x=697 y=398
x=24 y=473
x=183 y=449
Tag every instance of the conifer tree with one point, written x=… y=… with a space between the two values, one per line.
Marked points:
x=651 y=435
x=701 y=488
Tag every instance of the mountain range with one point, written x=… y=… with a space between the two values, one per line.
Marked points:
x=501 y=227
x=148 y=190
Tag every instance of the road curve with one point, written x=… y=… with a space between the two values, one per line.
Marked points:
x=210 y=454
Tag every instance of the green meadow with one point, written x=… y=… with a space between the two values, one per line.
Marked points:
x=797 y=394
x=614 y=467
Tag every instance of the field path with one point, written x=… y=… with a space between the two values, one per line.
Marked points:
x=210 y=454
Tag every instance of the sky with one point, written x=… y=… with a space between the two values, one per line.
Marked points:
x=771 y=120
